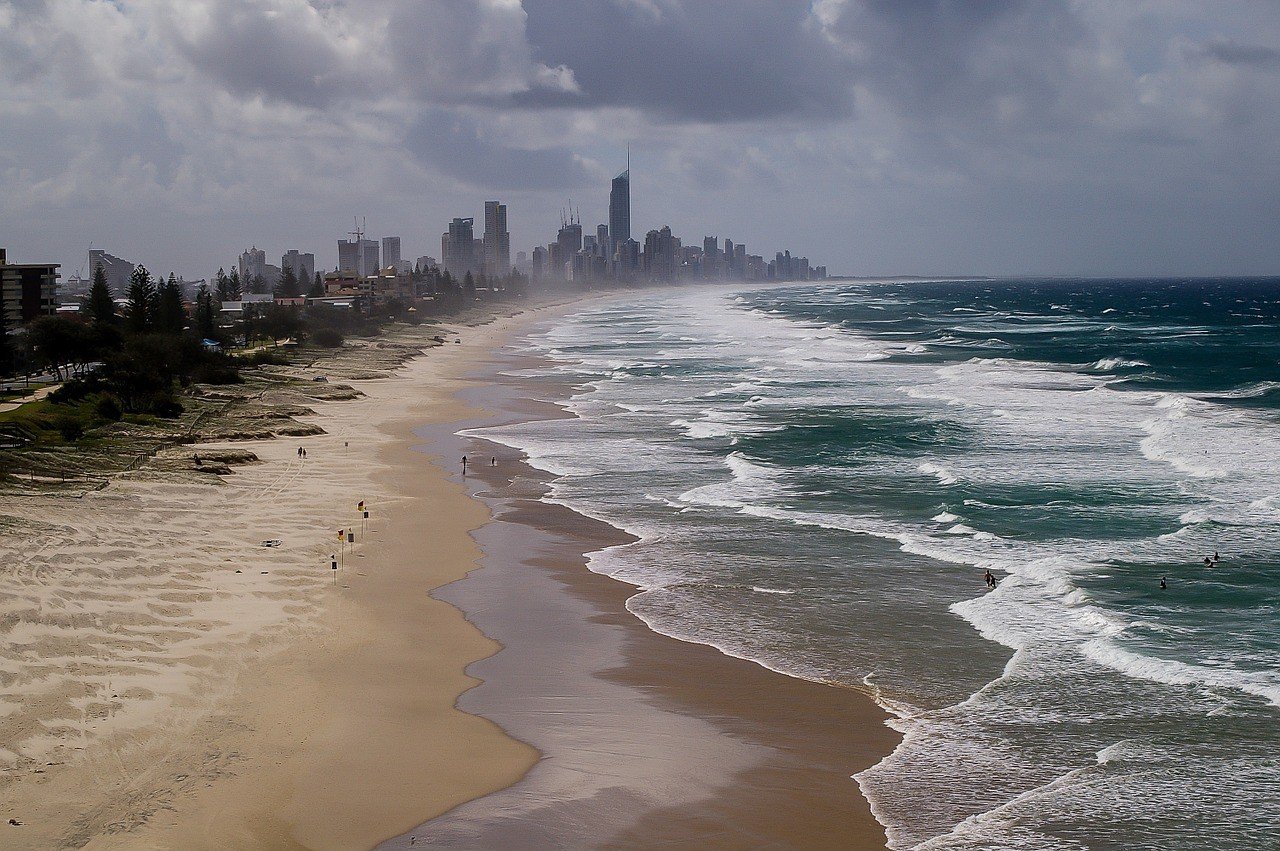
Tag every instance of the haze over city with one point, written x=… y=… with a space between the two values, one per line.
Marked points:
x=877 y=138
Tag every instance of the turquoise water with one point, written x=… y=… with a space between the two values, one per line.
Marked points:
x=820 y=475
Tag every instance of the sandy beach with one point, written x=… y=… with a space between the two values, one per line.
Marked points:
x=169 y=681
x=647 y=741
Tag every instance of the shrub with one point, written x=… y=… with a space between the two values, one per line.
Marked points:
x=70 y=428
x=216 y=370
x=329 y=338
x=72 y=390
x=264 y=356
x=167 y=408
x=108 y=407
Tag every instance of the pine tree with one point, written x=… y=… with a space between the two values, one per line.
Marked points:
x=170 y=316
x=139 y=312
x=317 y=288
x=469 y=283
x=288 y=286
x=99 y=303
x=205 y=313
x=234 y=288
x=224 y=289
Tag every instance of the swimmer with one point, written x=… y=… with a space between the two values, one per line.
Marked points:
x=1163 y=583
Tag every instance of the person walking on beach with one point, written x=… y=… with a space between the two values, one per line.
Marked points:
x=493 y=462
x=990 y=580
x=464 y=465
x=299 y=451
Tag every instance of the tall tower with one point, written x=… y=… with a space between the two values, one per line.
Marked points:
x=391 y=251
x=620 y=208
x=497 y=240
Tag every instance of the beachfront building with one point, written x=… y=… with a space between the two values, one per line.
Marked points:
x=390 y=252
x=458 y=248
x=619 y=211
x=27 y=291
x=117 y=271
x=497 y=240
x=303 y=266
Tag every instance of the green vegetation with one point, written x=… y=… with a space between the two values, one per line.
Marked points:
x=156 y=373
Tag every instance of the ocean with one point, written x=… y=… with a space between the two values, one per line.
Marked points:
x=819 y=475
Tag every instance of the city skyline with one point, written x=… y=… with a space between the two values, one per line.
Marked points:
x=1060 y=138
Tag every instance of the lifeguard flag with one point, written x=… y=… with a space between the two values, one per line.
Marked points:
x=360 y=505
x=341 y=534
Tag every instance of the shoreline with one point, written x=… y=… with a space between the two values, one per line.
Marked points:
x=279 y=709
x=646 y=739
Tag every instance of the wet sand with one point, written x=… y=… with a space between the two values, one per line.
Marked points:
x=646 y=741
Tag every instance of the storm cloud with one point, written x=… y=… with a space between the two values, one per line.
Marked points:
x=874 y=136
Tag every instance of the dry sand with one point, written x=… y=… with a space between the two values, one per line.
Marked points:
x=170 y=682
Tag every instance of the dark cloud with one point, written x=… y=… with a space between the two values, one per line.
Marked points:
x=455 y=145
x=1230 y=52
x=706 y=61
x=878 y=135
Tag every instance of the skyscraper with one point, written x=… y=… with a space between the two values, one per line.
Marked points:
x=568 y=243
x=116 y=270
x=710 y=257
x=497 y=241
x=303 y=266
x=391 y=252
x=602 y=241
x=457 y=247
x=620 y=209
x=368 y=252
x=348 y=256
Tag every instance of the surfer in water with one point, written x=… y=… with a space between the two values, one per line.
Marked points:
x=1208 y=562
x=990 y=580
x=1163 y=583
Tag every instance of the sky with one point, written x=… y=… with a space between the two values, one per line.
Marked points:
x=878 y=137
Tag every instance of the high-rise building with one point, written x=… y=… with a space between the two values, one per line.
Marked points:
x=661 y=250
x=348 y=256
x=117 y=271
x=368 y=251
x=740 y=260
x=253 y=265
x=303 y=266
x=626 y=260
x=457 y=247
x=27 y=291
x=602 y=241
x=426 y=262
x=620 y=210
x=497 y=241
x=568 y=242
x=710 y=256
x=359 y=256
x=391 y=252
x=539 y=262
